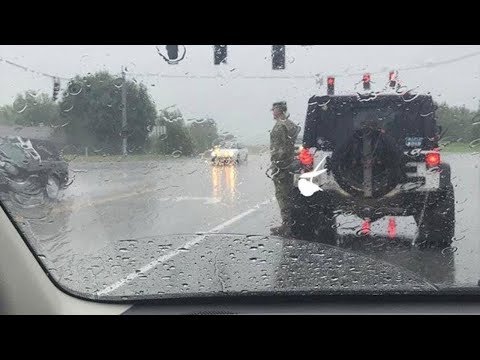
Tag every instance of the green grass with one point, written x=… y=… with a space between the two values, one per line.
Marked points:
x=115 y=158
x=462 y=148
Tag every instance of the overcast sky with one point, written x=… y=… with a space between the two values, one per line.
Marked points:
x=242 y=105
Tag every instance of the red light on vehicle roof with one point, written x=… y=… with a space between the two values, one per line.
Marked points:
x=392 y=228
x=366 y=77
x=330 y=85
x=432 y=159
x=365 y=227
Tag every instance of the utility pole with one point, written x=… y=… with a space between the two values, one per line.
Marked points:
x=124 y=113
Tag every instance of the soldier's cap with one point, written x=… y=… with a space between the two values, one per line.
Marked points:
x=282 y=105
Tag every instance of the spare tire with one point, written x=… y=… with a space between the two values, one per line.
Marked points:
x=385 y=160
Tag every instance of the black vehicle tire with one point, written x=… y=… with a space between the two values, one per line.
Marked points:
x=52 y=187
x=313 y=218
x=437 y=226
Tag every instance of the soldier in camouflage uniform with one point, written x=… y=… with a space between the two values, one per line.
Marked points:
x=282 y=148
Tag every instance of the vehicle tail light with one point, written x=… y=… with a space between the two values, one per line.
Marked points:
x=305 y=157
x=432 y=159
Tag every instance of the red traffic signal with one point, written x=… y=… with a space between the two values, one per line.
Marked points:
x=392 y=78
x=330 y=85
x=366 y=81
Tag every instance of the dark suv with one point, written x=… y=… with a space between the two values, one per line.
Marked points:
x=31 y=167
x=380 y=158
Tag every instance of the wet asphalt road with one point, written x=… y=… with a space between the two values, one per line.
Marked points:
x=112 y=208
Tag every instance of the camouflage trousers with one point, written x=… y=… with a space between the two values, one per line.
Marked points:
x=283 y=192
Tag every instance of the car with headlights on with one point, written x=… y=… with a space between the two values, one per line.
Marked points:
x=229 y=153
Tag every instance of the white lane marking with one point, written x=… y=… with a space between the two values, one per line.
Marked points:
x=170 y=255
x=207 y=200
x=77 y=205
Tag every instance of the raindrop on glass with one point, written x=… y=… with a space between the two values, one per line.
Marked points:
x=68 y=108
x=74 y=88
x=474 y=143
x=118 y=82
x=20 y=105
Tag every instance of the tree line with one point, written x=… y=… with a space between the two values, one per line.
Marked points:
x=459 y=123
x=89 y=114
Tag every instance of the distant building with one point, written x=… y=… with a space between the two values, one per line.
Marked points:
x=34 y=132
x=158 y=130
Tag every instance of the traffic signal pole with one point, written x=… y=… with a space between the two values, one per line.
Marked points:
x=124 y=114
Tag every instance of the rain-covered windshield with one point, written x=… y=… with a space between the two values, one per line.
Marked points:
x=229 y=145
x=169 y=171
x=393 y=121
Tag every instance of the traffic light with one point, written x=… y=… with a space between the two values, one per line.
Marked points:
x=56 y=88
x=366 y=81
x=172 y=51
x=331 y=85
x=392 y=78
x=220 y=54
x=278 y=57
x=172 y=57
